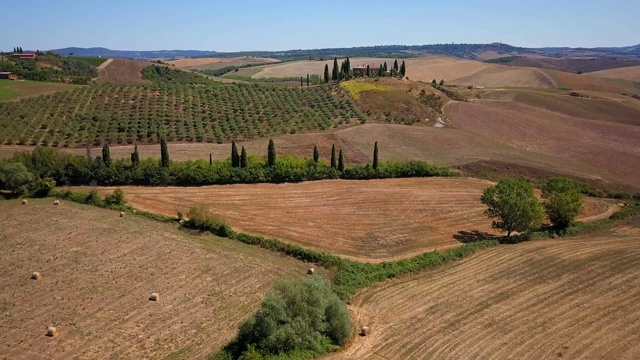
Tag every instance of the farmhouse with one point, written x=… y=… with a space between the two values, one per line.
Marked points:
x=362 y=69
x=24 y=56
x=8 y=75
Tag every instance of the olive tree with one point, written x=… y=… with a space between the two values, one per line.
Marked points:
x=513 y=206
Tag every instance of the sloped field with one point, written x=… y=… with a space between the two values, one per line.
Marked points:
x=568 y=298
x=631 y=73
x=122 y=71
x=374 y=220
x=217 y=63
x=98 y=271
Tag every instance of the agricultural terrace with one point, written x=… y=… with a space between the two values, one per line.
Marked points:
x=372 y=220
x=573 y=298
x=98 y=271
x=182 y=113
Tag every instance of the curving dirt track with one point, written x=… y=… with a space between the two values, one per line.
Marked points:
x=98 y=271
x=373 y=221
x=569 y=298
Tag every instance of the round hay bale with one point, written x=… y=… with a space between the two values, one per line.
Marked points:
x=154 y=297
x=24 y=202
x=121 y=213
x=36 y=275
x=364 y=331
x=311 y=271
x=52 y=331
x=57 y=202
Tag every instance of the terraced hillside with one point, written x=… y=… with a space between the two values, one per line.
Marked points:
x=568 y=298
x=182 y=113
x=98 y=271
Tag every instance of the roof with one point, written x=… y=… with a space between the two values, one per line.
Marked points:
x=5 y=73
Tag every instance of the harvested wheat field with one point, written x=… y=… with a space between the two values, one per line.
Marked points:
x=122 y=71
x=98 y=271
x=631 y=73
x=217 y=63
x=574 y=298
x=373 y=221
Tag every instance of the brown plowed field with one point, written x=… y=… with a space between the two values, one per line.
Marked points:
x=572 y=65
x=612 y=147
x=98 y=271
x=569 y=298
x=123 y=71
x=375 y=220
x=217 y=63
x=631 y=73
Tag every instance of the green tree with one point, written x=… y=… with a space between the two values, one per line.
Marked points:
x=106 y=155
x=368 y=71
x=375 y=156
x=135 y=156
x=326 y=73
x=15 y=177
x=235 y=158
x=384 y=68
x=395 y=65
x=334 y=73
x=513 y=206
x=380 y=71
x=301 y=82
x=340 y=161
x=164 y=153
x=333 y=156
x=307 y=80
x=244 y=162
x=434 y=83
x=403 y=69
x=316 y=154
x=562 y=201
x=441 y=82
x=210 y=159
x=271 y=153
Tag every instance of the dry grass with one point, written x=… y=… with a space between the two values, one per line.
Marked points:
x=569 y=298
x=631 y=73
x=374 y=221
x=122 y=71
x=17 y=89
x=217 y=63
x=98 y=271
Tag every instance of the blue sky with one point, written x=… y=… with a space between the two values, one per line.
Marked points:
x=287 y=24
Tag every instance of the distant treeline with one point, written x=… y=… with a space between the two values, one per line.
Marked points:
x=228 y=69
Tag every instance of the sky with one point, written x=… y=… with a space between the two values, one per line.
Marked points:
x=246 y=25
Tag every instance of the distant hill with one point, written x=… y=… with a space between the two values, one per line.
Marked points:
x=468 y=51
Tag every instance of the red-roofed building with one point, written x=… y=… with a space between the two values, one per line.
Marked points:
x=8 y=75
x=24 y=56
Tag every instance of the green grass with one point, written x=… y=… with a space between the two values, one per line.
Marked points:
x=15 y=89
x=93 y=61
x=5 y=92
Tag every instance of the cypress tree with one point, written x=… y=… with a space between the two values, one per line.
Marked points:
x=333 y=156
x=368 y=71
x=106 y=154
x=243 y=158
x=340 y=162
x=301 y=82
x=375 y=156
x=384 y=68
x=135 y=156
x=334 y=74
x=403 y=69
x=235 y=159
x=307 y=80
x=395 y=65
x=164 y=153
x=326 y=73
x=348 y=67
x=316 y=154
x=271 y=153
x=210 y=159
x=380 y=71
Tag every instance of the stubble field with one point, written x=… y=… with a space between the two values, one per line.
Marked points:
x=570 y=298
x=98 y=271
x=371 y=221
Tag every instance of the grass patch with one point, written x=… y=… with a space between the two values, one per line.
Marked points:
x=356 y=87
x=93 y=61
x=5 y=92
x=15 y=89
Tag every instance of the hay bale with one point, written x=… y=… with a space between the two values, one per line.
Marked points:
x=57 y=202
x=154 y=297
x=24 y=202
x=311 y=271
x=121 y=213
x=364 y=331
x=36 y=275
x=52 y=331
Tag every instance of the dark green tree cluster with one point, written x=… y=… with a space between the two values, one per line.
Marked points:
x=18 y=50
x=237 y=160
x=51 y=67
x=343 y=72
x=135 y=156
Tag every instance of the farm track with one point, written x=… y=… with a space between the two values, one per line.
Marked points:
x=569 y=298
x=370 y=221
x=99 y=269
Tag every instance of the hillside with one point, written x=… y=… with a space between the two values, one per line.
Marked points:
x=50 y=67
x=98 y=271
x=572 y=298
x=122 y=71
x=567 y=65
x=213 y=63
x=631 y=73
x=12 y=90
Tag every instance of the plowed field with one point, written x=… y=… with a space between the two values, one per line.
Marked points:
x=98 y=271
x=122 y=71
x=570 y=298
x=375 y=220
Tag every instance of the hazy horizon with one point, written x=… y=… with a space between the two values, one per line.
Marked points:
x=286 y=24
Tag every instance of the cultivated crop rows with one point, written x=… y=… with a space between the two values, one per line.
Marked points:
x=189 y=113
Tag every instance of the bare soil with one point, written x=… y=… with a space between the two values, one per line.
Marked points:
x=98 y=271
x=567 y=298
x=122 y=71
x=372 y=221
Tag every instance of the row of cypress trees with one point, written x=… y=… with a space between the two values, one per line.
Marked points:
x=345 y=71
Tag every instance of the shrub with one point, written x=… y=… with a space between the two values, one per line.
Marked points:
x=115 y=198
x=201 y=219
x=562 y=201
